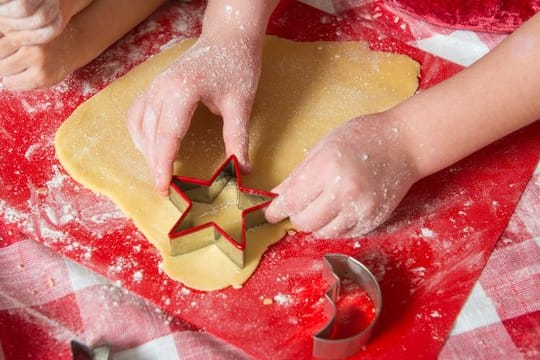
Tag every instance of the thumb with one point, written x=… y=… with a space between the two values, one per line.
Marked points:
x=236 y=131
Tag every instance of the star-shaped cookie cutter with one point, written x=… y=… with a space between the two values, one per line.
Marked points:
x=186 y=237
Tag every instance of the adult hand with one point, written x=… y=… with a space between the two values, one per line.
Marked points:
x=223 y=75
x=350 y=182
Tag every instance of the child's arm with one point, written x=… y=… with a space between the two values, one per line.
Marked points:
x=221 y=70
x=86 y=36
x=497 y=95
x=355 y=177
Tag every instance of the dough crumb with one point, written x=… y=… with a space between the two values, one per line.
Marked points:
x=268 y=301
x=42 y=191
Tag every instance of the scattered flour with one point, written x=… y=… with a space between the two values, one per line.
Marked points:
x=428 y=233
x=138 y=276
x=283 y=299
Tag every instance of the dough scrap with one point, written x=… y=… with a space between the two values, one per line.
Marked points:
x=306 y=89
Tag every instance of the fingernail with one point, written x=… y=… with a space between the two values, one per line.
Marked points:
x=164 y=193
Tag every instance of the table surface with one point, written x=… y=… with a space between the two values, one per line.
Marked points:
x=41 y=292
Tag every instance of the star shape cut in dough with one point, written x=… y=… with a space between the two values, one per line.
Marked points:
x=201 y=221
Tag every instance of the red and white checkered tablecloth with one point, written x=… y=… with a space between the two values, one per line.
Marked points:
x=46 y=300
x=501 y=318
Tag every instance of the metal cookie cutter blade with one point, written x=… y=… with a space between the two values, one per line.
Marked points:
x=186 y=237
x=337 y=268
x=80 y=351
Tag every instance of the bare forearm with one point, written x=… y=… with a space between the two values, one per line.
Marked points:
x=238 y=18
x=494 y=97
x=79 y=5
x=103 y=22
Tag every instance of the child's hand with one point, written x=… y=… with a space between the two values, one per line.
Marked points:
x=221 y=74
x=350 y=182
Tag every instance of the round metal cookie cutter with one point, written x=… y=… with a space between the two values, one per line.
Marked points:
x=336 y=268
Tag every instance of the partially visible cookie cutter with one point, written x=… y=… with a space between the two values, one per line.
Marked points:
x=80 y=351
x=185 y=237
x=336 y=268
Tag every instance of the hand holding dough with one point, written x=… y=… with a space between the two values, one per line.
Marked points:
x=350 y=182
x=223 y=76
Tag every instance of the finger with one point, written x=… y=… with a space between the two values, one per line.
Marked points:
x=38 y=36
x=44 y=16
x=26 y=80
x=336 y=228
x=19 y=9
x=173 y=126
x=295 y=196
x=317 y=214
x=7 y=47
x=13 y=64
x=361 y=228
x=150 y=118
x=135 y=121
x=236 y=131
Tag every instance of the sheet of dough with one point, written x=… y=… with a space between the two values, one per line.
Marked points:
x=305 y=90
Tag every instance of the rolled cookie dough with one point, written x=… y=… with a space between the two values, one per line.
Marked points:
x=306 y=89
